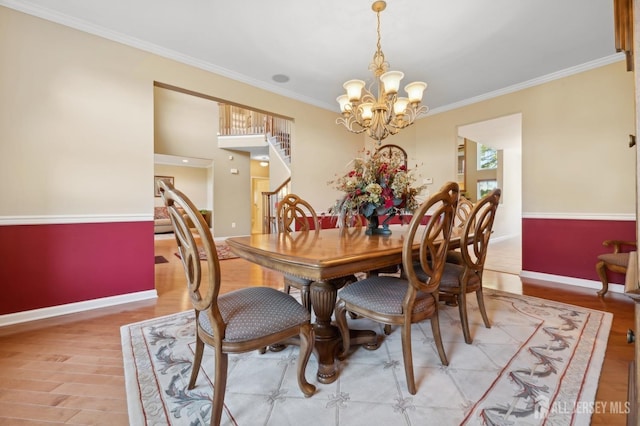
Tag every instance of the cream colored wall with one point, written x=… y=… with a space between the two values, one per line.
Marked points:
x=76 y=123
x=190 y=180
x=187 y=125
x=279 y=170
x=575 y=157
x=321 y=150
x=77 y=127
x=257 y=170
x=317 y=140
x=509 y=219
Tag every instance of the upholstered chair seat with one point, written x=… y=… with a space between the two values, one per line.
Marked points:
x=384 y=294
x=450 y=281
x=251 y=313
x=615 y=261
x=618 y=259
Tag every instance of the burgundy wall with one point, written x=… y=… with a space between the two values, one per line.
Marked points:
x=569 y=247
x=49 y=265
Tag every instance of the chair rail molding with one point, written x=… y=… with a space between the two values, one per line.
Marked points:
x=62 y=219
x=580 y=216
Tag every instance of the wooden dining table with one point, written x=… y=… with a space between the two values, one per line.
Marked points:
x=330 y=258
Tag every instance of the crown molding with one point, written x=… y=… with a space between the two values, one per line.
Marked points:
x=617 y=57
x=66 y=20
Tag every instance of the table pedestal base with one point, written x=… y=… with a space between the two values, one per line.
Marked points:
x=328 y=341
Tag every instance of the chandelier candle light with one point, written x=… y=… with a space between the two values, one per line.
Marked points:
x=387 y=113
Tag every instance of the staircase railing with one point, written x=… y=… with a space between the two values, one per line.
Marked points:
x=270 y=202
x=235 y=120
x=280 y=129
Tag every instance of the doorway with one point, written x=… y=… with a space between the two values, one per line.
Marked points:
x=503 y=134
x=258 y=186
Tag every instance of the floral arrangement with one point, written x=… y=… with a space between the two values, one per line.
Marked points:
x=376 y=185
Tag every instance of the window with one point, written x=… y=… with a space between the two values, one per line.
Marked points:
x=487 y=158
x=485 y=186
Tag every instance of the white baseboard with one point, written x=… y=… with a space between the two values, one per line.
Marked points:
x=578 y=282
x=503 y=238
x=70 y=308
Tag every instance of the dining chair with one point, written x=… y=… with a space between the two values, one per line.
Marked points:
x=240 y=321
x=296 y=215
x=463 y=211
x=615 y=261
x=400 y=301
x=463 y=271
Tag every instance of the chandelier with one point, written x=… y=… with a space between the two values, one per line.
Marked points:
x=387 y=113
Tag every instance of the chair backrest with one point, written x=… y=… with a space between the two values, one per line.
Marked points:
x=432 y=238
x=295 y=214
x=463 y=211
x=475 y=236
x=191 y=242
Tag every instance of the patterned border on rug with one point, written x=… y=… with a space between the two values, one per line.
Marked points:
x=224 y=252
x=537 y=363
x=550 y=351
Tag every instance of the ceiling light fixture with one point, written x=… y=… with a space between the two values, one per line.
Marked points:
x=387 y=113
x=264 y=163
x=280 y=78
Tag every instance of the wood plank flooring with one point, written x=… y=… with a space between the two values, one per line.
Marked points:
x=68 y=369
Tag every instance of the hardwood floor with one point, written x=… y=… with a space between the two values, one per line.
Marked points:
x=68 y=370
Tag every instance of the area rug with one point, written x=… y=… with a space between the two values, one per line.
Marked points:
x=539 y=363
x=161 y=259
x=224 y=252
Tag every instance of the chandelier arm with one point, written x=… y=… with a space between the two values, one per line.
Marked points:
x=408 y=121
x=348 y=124
x=367 y=96
x=414 y=113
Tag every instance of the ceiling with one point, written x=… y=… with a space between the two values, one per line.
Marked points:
x=466 y=50
x=173 y=160
x=498 y=133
